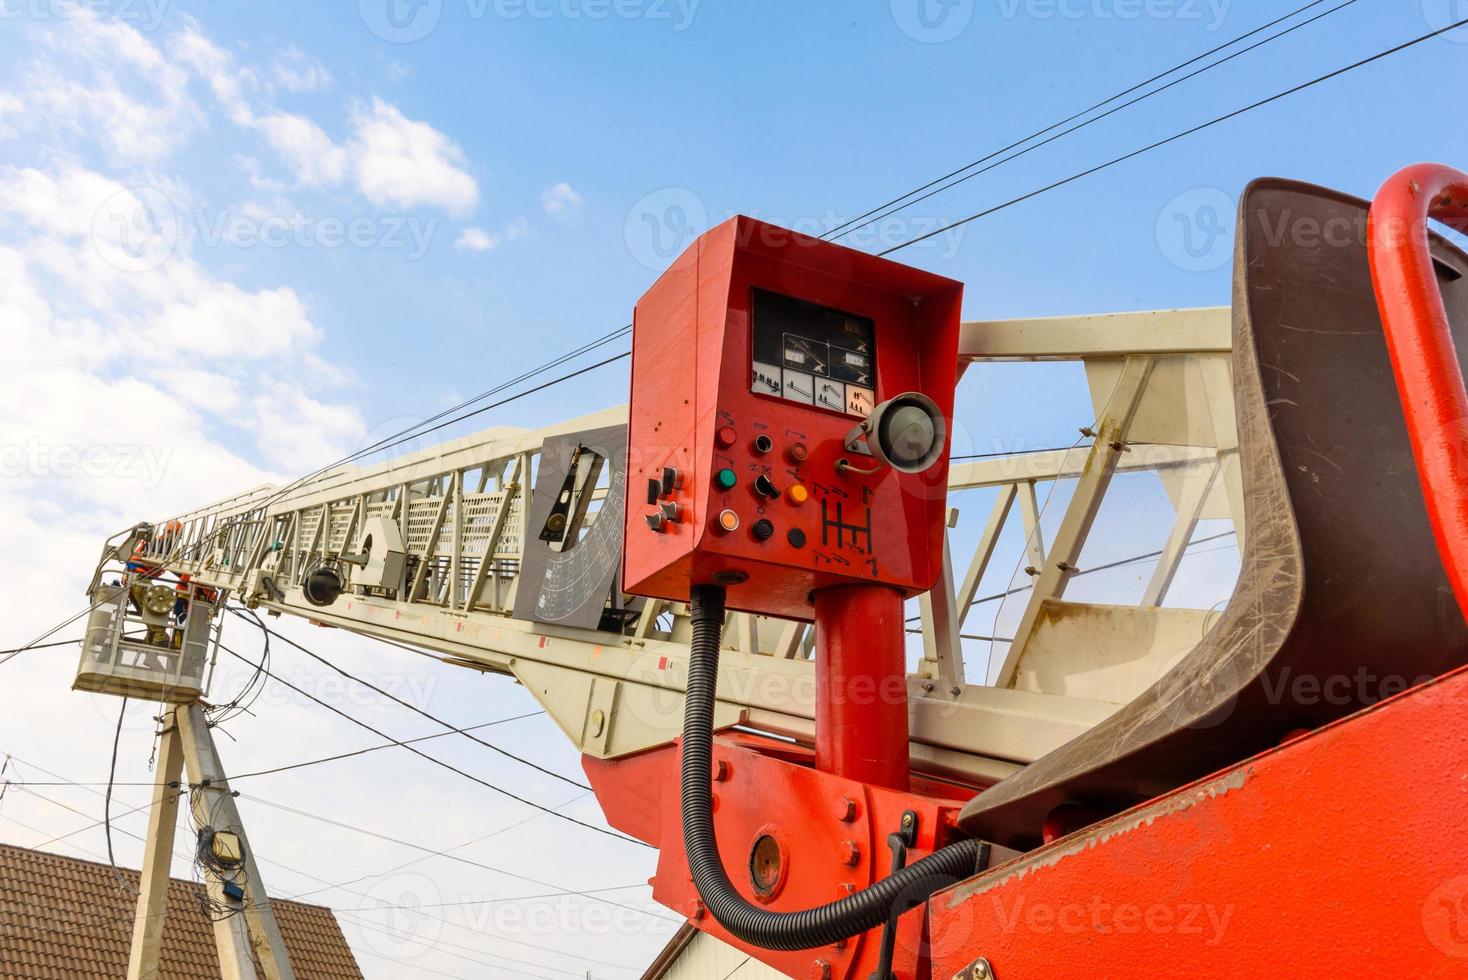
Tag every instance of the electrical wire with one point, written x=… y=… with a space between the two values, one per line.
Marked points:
x=1319 y=80
x=432 y=852
x=412 y=707
x=833 y=233
x=107 y=798
x=436 y=761
x=1125 y=105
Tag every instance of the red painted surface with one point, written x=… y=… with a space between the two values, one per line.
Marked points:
x=691 y=368
x=1421 y=345
x=861 y=685
x=818 y=818
x=1340 y=854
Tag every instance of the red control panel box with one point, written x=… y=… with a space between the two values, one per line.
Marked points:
x=758 y=359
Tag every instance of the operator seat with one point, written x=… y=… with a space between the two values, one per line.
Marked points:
x=1341 y=599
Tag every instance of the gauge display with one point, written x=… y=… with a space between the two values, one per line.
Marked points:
x=814 y=355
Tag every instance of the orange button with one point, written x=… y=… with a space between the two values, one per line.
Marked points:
x=727 y=521
x=797 y=494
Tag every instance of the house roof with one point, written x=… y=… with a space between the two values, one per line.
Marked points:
x=61 y=917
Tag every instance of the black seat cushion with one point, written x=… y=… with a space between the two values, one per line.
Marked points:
x=1341 y=599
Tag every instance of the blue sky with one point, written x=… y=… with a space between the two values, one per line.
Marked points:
x=238 y=240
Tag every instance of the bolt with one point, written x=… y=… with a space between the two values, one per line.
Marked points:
x=721 y=772
x=850 y=853
x=698 y=910
x=955 y=690
x=927 y=687
x=846 y=809
x=981 y=969
x=820 y=970
x=598 y=722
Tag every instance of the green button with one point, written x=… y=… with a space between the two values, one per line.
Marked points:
x=725 y=479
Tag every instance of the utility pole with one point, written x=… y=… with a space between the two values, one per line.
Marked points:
x=252 y=934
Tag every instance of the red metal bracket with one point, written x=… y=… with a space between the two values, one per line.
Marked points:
x=1420 y=340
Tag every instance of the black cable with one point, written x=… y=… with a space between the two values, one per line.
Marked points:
x=1177 y=136
x=107 y=798
x=1125 y=105
x=452 y=729
x=385 y=745
x=809 y=928
x=1071 y=118
x=438 y=762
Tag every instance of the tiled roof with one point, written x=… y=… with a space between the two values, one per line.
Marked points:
x=65 y=919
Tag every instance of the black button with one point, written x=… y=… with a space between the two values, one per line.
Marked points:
x=763 y=444
x=796 y=537
x=763 y=530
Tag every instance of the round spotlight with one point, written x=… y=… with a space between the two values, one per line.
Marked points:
x=322 y=586
x=907 y=432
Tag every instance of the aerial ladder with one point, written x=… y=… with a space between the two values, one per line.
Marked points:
x=748 y=591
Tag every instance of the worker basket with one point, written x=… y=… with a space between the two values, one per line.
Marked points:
x=147 y=639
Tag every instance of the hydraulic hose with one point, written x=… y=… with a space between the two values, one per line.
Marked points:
x=820 y=926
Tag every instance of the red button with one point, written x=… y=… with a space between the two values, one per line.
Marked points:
x=726 y=436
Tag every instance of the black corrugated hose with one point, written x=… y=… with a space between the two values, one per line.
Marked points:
x=820 y=926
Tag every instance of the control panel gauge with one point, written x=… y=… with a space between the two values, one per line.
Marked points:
x=813 y=354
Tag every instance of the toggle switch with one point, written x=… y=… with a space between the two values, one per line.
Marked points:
x=654 y=521
x=765 y=487
x=671 y=480
x=671 y=512
x=654 y=490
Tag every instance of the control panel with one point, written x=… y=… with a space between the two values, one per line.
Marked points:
x=789 y=417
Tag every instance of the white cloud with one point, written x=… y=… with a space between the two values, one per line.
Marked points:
x=476 y=240
x=400 y=162
x=479 y=240
x=305 y=146
x=102 y=81
x=560 y=200
x=296 y=72
x=10 y=105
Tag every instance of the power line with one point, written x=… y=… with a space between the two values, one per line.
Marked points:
x=433 y=852
x=1110 y=112
x=453 y=729
x=1177 y=136
x=188 y=858
x=438 y=762
x=833 y=233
